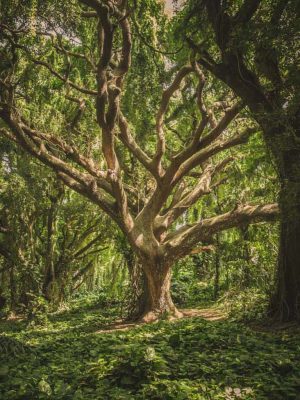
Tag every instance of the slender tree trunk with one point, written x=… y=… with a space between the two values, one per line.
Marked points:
x=50 y=273
x=49 y=267
x=158 y=302
x=217 y=269
x=13 y=290
x=246 y=257
x=286 y=302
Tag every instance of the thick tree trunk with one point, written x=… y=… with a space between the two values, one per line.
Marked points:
x=283 y=141
x=157 y=300
x=286 y=302
x=139 y=292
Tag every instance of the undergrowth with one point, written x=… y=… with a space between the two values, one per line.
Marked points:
x=183 y=360
x=248 y=305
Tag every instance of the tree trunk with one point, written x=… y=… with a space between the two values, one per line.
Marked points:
x=138 y=288
x=13 y=290
x=246 y=257
x=50 y=273
x=286 y=302
x=217 y=269
x=158 y=302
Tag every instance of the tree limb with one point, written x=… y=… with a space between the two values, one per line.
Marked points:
x=184 y=240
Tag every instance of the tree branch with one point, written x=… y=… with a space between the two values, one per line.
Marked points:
x=246 y=11
x=184 y=240
x=229 y=116
x=215 y=148
x=62 y=78
x=202 y=188
x=166 y=96
x=129 y=141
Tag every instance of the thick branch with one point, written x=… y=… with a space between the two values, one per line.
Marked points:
x=72 y=152
x=184 y=240
x=215 y=148
x=125 y=62
x=246 y=12
x=230 y=114
x=82 y=183
x=108 y=95
x=93 y=195
x=202 y=188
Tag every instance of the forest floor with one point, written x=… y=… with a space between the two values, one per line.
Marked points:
x=209 y=314
x=203 y=357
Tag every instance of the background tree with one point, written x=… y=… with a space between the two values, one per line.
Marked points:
x=252 y=46
x=50 y=237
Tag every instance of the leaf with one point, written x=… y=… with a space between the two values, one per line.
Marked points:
x=44 y=387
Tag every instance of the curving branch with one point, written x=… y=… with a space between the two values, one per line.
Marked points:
x=94 y=195
x=219 y=128
x=205 y=154
x=129 y=141
x=36 y=147
x=62 y=78
x=203 y=187
x=166 y=96
x=184 y=240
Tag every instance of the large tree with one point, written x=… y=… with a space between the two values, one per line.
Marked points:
x=252 y=46
x=91 y=55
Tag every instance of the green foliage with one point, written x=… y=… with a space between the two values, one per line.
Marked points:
x=47 y=229
x=138 y=365
x=247 y=305
x=10 y=346
x=75 y=358
x=80 y=264
x=190 y=286
x=36 y=310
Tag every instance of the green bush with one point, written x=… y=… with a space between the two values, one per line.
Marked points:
x=37 y=310
x=247 y=305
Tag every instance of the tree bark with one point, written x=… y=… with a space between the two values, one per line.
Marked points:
x=157 y=301
x=286 y=302
x=217 y=269
x=13 y=290
x=246 y=257
x=138 y=287
x=50 y=278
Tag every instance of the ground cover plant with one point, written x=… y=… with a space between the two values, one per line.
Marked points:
x=78 y=356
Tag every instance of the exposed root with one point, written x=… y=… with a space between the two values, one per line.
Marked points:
x=152 y=316
x=209 y=314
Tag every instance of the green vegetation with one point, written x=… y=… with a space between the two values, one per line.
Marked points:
x=72 y=357
x=149 y=199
